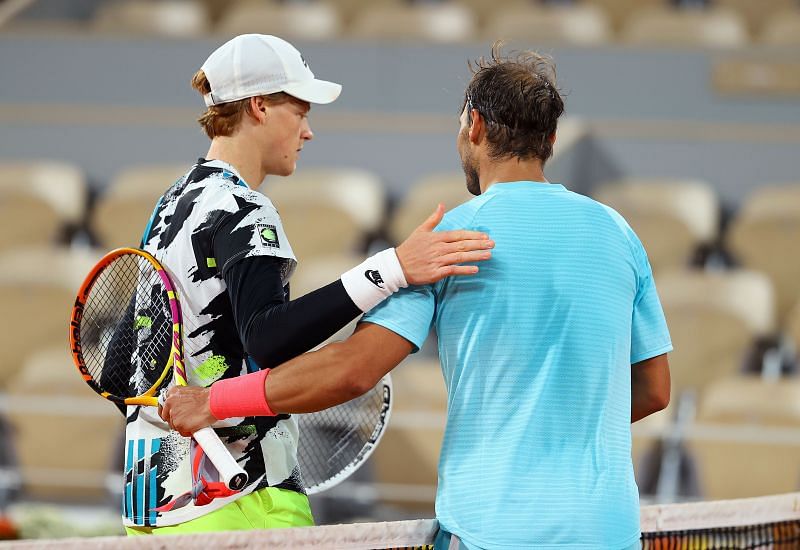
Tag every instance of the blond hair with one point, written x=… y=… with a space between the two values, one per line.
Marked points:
x=224 y=119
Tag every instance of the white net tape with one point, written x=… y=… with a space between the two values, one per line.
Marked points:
x=417 y=533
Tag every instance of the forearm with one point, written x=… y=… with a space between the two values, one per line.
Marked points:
x=286 y=330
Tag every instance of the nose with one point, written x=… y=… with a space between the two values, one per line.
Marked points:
x=306 y=133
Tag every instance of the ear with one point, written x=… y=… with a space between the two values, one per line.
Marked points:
x=477 y=127
x=258 y=109
x=552 y=138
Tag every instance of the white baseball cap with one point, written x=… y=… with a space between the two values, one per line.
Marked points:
x=260 y=64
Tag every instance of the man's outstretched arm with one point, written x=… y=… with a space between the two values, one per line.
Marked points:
x=650 y=386
x=311 y=382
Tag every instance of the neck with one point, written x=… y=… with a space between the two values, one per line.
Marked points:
x=242 y=154
x=513 y=169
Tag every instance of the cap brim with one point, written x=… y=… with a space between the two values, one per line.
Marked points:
x=314 y=91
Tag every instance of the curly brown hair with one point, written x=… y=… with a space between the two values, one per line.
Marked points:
x=224 y=119
x=517 y=97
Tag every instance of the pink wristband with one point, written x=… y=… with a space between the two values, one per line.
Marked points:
x=240 y=396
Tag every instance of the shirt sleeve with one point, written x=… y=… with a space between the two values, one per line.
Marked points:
x=273 y=329
x=408 y=313
x=253 y=230
x=649 y=333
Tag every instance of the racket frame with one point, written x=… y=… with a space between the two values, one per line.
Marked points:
x=368 y=448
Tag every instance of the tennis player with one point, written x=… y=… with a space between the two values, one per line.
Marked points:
x=548 y=354
x=230 y=260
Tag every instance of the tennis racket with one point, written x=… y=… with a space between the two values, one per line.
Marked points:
x=125 y=336
x=336 y=442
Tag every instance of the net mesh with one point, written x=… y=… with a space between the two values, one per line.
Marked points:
x=126 y=327
x=765 y=523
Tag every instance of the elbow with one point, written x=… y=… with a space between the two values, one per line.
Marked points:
x=353 y=379
x=661 y=400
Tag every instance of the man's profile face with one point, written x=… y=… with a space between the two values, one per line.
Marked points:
x=468 y=164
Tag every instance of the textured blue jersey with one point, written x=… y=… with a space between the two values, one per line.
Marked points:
x=536 y=353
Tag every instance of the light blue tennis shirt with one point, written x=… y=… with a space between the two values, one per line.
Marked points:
x=536 y=353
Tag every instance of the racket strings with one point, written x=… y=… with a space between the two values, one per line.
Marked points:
x=126 y=329
x=331 y=441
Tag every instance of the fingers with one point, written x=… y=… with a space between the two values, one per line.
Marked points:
x=463 y=235
x=433 y=220
x=464 y=257
x=456 y=270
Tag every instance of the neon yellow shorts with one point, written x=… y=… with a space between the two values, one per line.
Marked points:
x=265 y=509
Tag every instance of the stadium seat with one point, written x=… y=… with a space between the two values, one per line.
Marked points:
x=123 y=210
x=713 y=319
x=421 y=199
x=710 y=27
x=747 y=438
x=792 y=328
x=38 y=201
x=37 y=289
x=64 y=434
x=756 y=14
x=579 y=24
x=328 y=211
x=406 y=461
x=619 y=10
x=764 y=236
x=445 y=22
x=671 y=217
x=316 y=20
x=782 y=29
x=168 y=18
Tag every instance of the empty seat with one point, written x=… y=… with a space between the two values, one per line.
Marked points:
x=65 y=436
x=619 y=10
x=671 y=217
x=421 y=199
x=429 y=22
x=764 y=236
x=37 y=289
x=579 y=24
x=782 y=29
x=747 y=438
x=328 y=211
x=123 y=210
x=170 y=18
x=713 y=319
x=38 y=200
x=710 y=27
x=300 y=20
x=756 y=14
x=406 y=461
x=485 y=11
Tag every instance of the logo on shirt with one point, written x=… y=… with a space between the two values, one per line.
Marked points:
x=268 y=235
x=374 y=277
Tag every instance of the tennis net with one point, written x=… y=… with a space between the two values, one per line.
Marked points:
x=771 y=522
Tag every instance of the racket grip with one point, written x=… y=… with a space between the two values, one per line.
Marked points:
x=233 y=475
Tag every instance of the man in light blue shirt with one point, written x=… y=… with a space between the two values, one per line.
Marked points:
x=548 y=353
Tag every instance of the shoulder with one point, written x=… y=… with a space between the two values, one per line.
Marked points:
x=463 y=215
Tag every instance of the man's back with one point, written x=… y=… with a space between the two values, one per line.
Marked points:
x=536 y=352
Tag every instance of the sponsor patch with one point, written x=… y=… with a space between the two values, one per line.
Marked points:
x=268 y=235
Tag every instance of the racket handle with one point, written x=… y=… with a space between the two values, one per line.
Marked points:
x=232 y=474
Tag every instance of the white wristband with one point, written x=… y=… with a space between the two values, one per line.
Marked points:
x=375 y=279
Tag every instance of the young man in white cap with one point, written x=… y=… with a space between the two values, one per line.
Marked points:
x=226 y=251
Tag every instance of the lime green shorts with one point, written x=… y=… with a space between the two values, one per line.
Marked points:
x=265 y=509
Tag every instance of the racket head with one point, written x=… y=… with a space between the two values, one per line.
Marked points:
x=335 y=443
x=125 y=327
